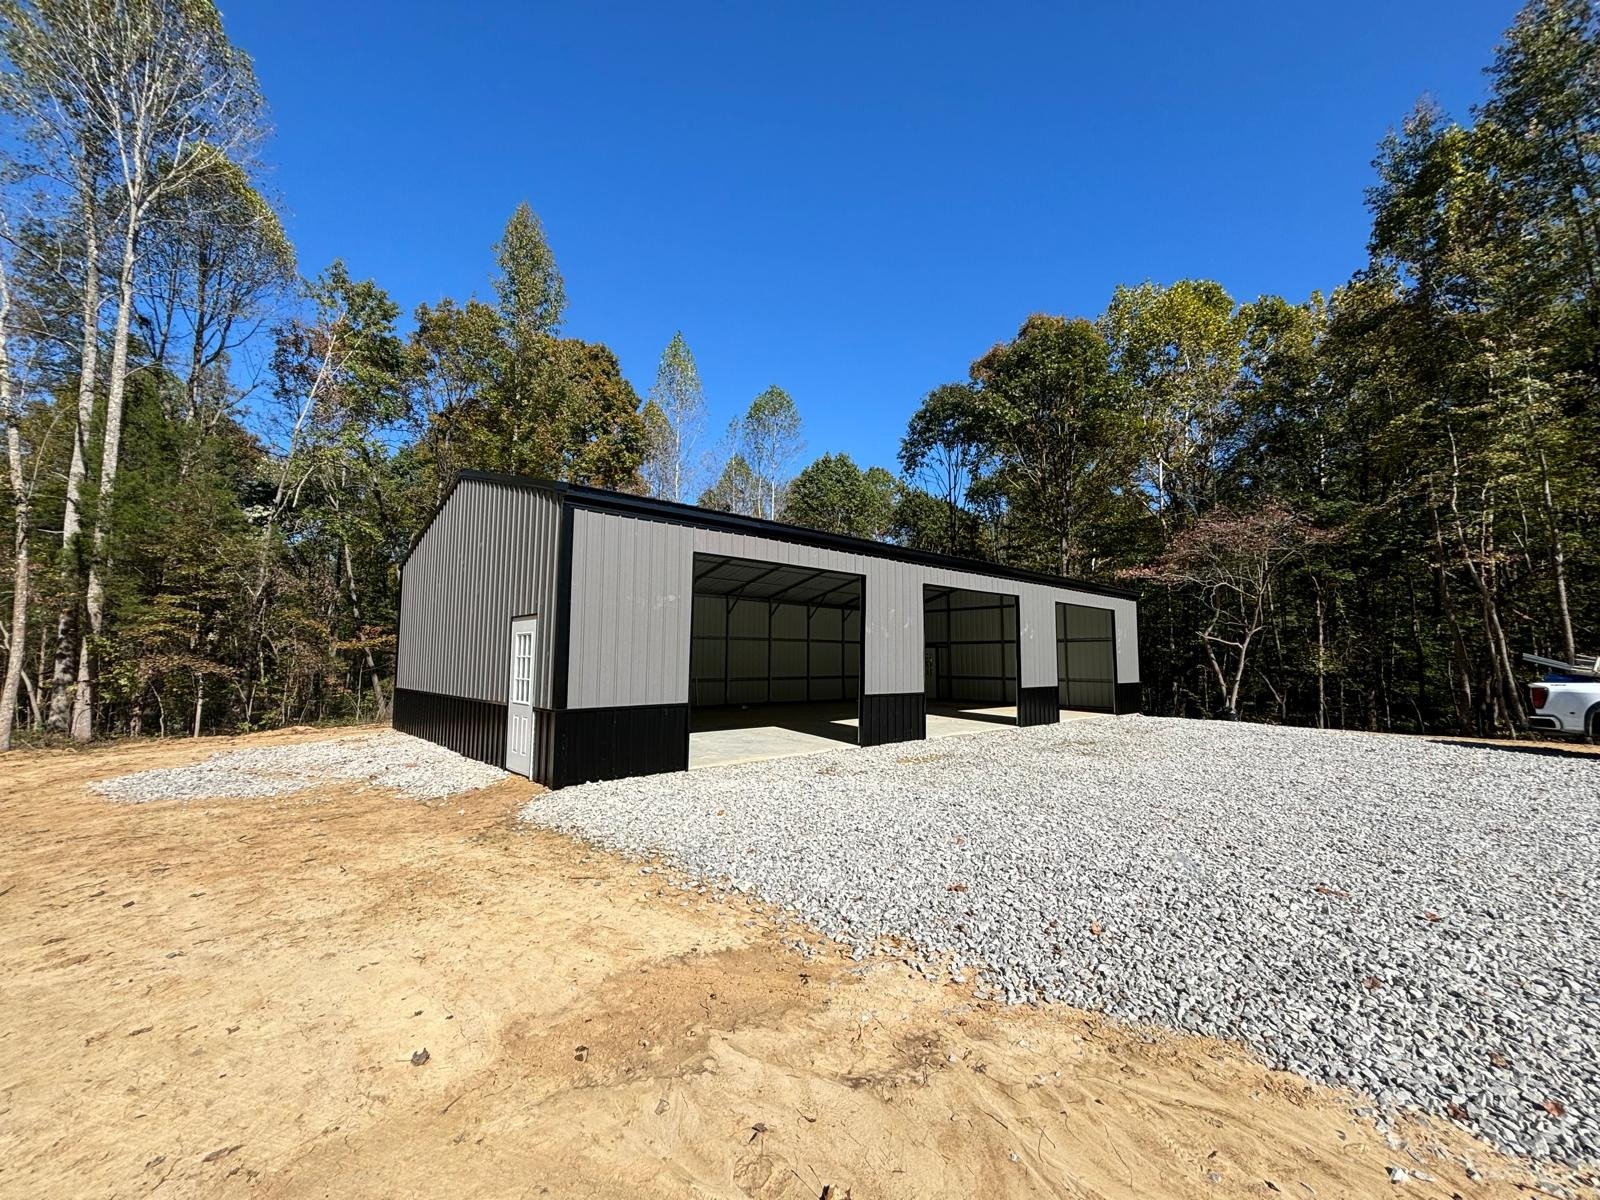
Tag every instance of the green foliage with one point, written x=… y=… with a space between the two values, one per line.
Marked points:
x=1055 y=433
x=768 y=439
x=674 y=417
x=1178 y=353
x=180 y=535
x=532 y=294
x=495 y=389
x=593 y=433
x=736 y=489
x=835 y=495
x=944 y=449
x=1353 y=511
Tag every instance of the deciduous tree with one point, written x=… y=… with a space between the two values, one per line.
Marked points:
x=835 y=495
x=674 y=416
x=768 y=439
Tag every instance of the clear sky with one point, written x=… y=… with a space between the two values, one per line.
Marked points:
x=850 y=200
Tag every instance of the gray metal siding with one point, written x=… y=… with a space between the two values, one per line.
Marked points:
x=633 y=583
x=488 y=556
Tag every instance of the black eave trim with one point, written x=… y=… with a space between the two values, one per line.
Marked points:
x=687 y=514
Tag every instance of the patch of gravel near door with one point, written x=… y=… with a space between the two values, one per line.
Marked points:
x=1417 y=920
x=395 y=762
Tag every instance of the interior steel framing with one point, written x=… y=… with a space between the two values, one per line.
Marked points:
x=1105 y=685
x=937 y=600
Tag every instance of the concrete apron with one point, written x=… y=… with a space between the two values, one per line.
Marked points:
x=722 y=737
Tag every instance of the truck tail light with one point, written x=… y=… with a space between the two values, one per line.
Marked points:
x=1539 y=695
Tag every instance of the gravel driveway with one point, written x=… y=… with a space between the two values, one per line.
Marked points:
x=385 y=759
x=1418 y=920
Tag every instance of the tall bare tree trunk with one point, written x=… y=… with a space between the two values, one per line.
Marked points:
x=378 y=699
x=1461 y=677
x=19 y=595
x=1558 y=559
x=72 y=518
x=1502 y=675
x=1322 y=657
x=22 y=495
x=94 y=598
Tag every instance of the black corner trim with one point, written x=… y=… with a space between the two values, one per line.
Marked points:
x=1130 y=698
x=561 y=649
x=591 y=744
x=1038 y=705
x=473 y=728
x=895 y=717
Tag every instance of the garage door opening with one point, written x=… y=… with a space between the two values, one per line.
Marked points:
x=774 y=660
x=1086 y=658
x=970 y=659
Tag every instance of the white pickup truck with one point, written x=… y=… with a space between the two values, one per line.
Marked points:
x=1567 y=700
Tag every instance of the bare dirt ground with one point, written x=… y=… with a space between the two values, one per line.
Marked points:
x=1574 y=747
x=225 y=998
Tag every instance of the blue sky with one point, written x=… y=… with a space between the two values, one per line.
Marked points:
x=851 y=201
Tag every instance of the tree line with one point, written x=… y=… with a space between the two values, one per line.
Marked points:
x=1353 y=510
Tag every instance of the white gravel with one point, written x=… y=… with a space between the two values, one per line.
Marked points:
x=393 y=761
x=1417 y=920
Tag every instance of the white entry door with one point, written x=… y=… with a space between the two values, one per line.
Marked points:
x=519 y=697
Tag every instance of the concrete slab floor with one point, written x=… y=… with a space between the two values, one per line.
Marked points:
x=720 y=737
x=947 y=720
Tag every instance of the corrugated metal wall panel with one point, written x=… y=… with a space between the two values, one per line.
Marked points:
x=898 y=718
x=1036 y=616
x=474 y=728
x=633 y=579
x=488 y=556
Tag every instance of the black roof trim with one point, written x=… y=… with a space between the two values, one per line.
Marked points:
x=603 y=500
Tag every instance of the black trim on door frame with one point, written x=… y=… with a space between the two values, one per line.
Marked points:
x=893 y=717
x=1020 y=719
x=1038 y=705
x=561 y=647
